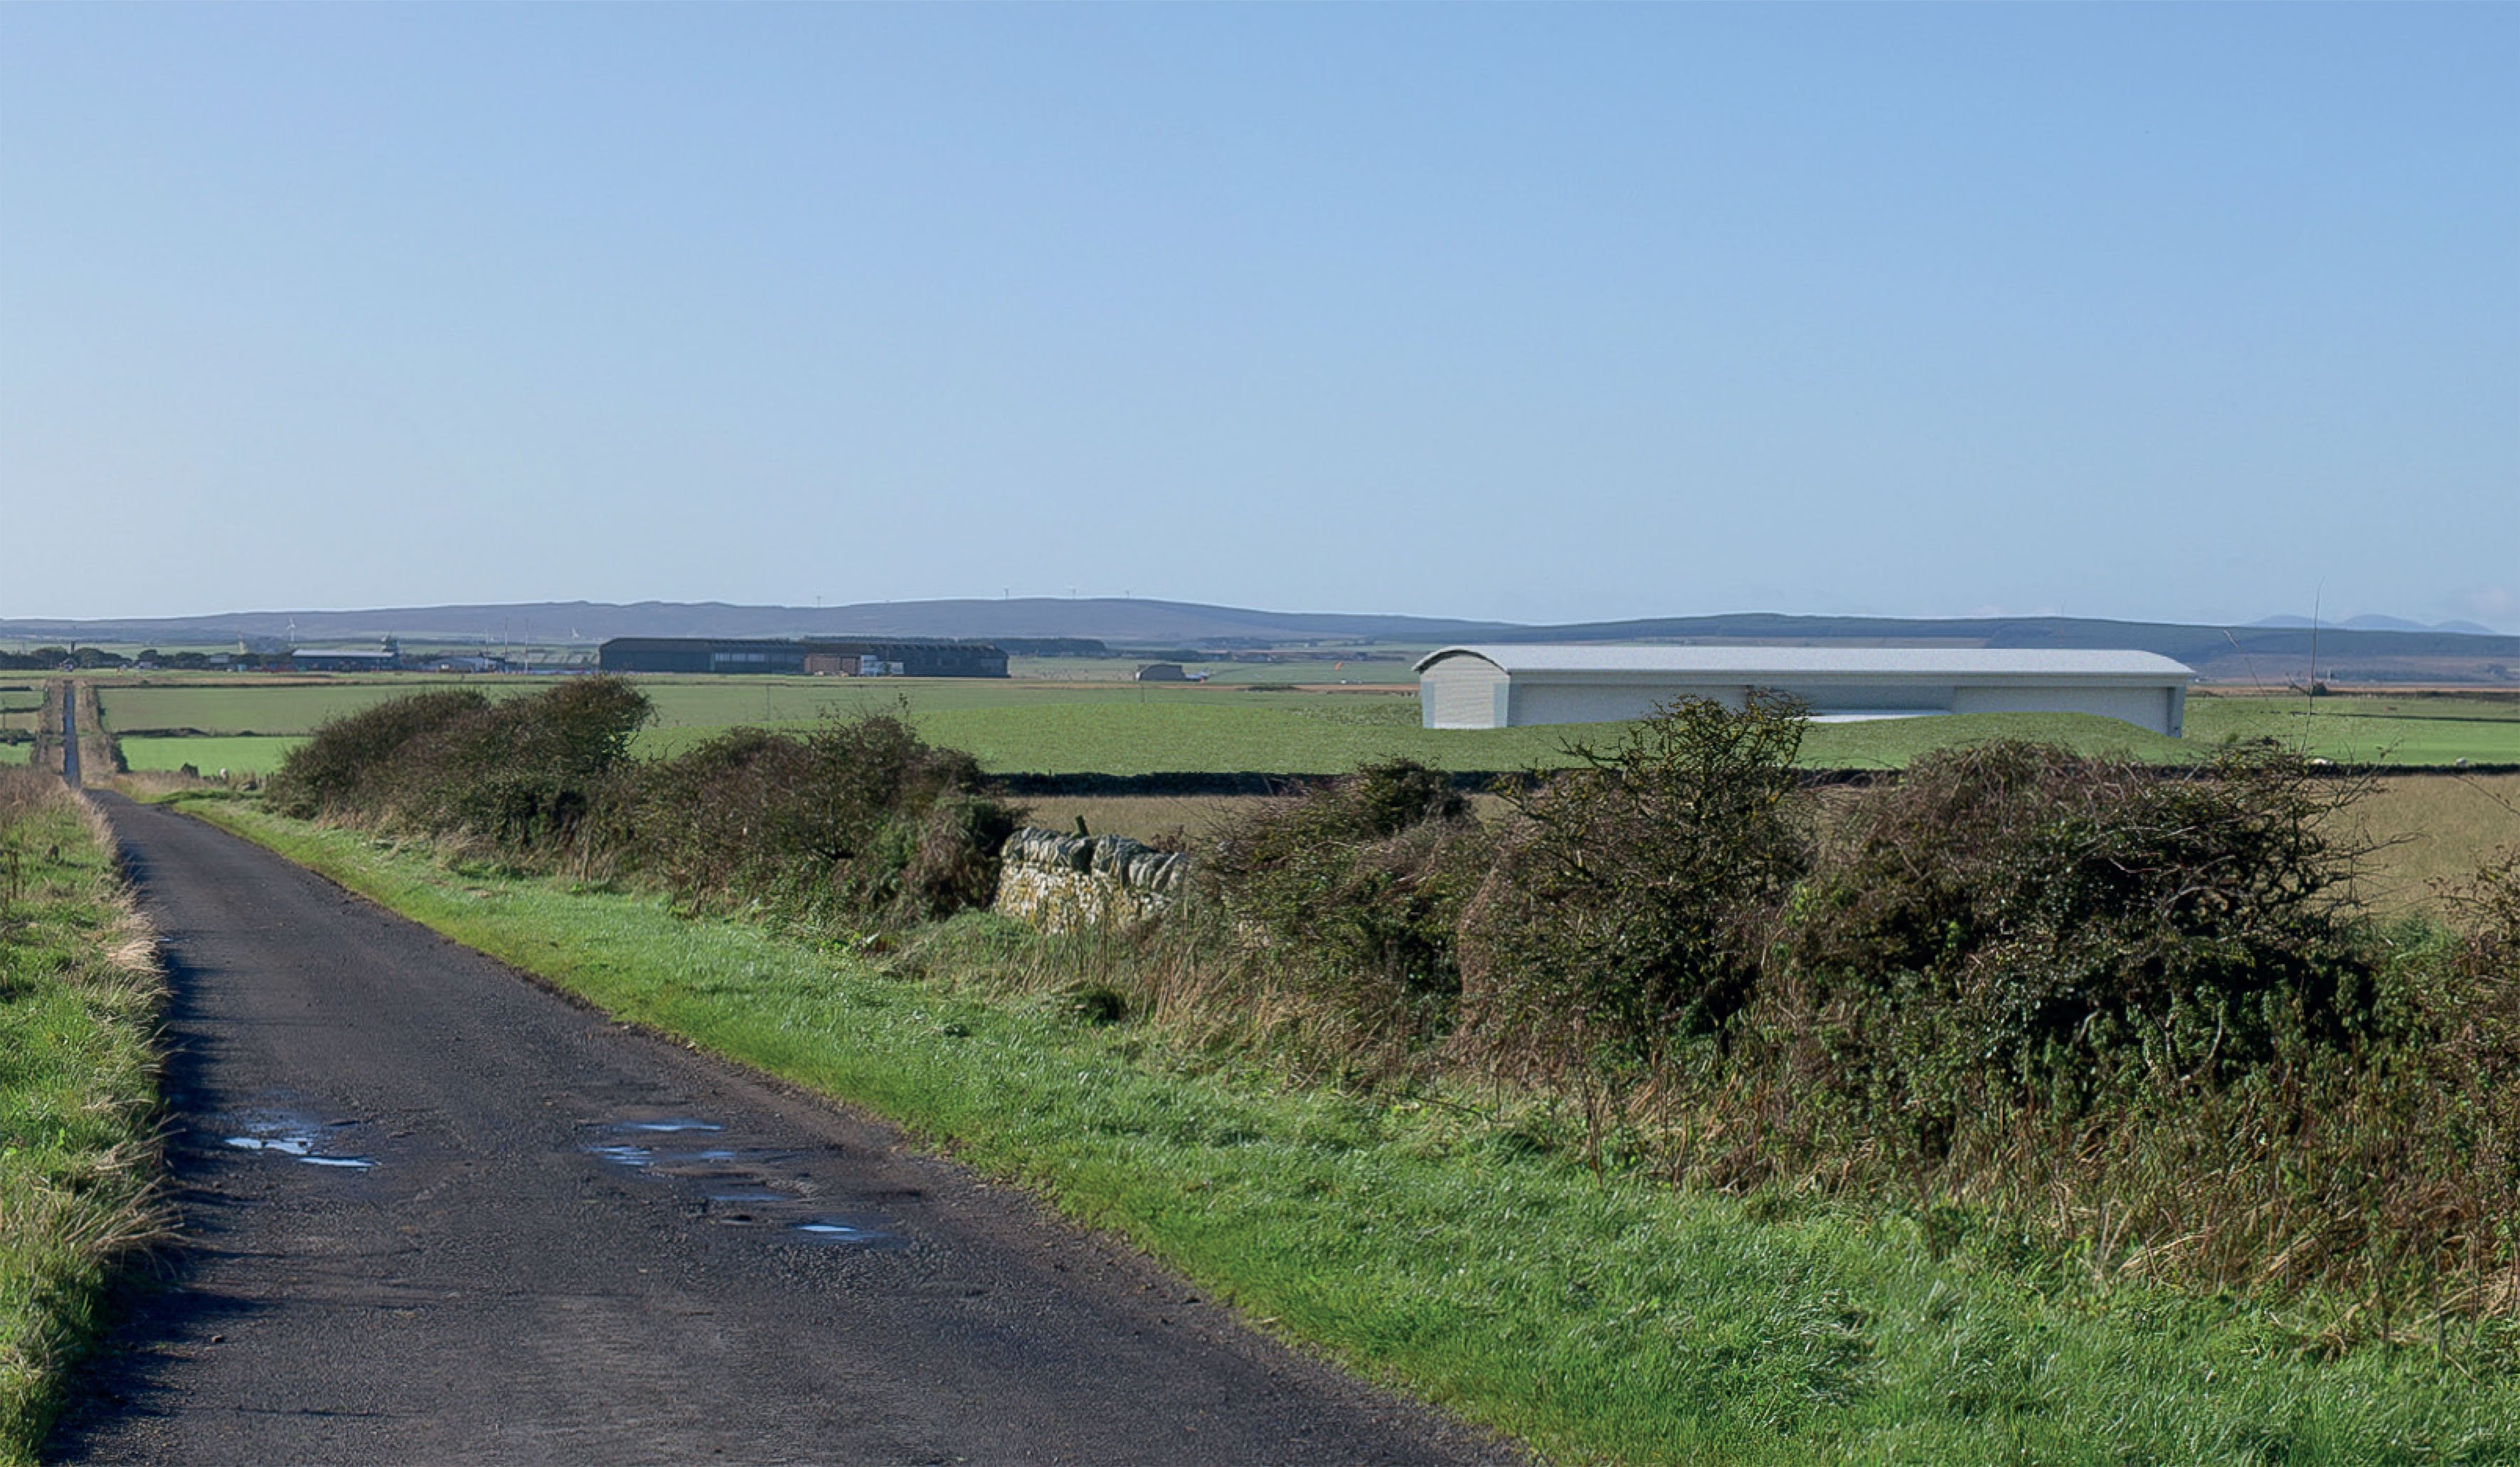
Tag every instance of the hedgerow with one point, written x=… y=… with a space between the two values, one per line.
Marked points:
x=2136 y=1012
x=859 y=819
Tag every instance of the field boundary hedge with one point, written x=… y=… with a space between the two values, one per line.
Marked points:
x=1246 y=782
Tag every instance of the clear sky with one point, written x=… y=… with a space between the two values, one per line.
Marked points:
x=1547 y=313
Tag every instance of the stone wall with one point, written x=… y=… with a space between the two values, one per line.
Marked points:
x=1063 y=882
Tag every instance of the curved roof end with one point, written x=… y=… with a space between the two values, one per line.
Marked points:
x=1432 y=657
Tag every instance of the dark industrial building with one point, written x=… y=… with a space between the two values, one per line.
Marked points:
x=344 y=660
x=907 y=657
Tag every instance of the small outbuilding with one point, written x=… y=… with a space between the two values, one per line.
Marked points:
x=1503 y=686
x=1162 y=672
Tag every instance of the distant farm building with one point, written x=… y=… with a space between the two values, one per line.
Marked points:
x=344 y=660
x=1511 y=686
x=1162 y=672
x=905 y=657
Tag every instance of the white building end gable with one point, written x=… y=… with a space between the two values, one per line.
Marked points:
x=1514 y=686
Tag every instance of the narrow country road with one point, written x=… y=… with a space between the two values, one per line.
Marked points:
x=70 y=774
x=437 y=1214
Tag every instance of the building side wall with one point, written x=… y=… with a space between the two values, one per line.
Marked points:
x=1462 y=692
x=1536 y=703
x=1883 y=695
x=1450 y=701
x=2156 y=708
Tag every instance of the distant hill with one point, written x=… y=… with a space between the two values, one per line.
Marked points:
x=1107 y=618
x=2381 y=624
x=2272 y=655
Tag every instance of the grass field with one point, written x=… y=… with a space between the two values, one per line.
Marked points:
x=21 y=709
x=1042 y=726
x=14 y=754
x=1456 y=1244
x=2435 y=829
x=2398 y=729
x=1315 y=671
x=77 y=1095
x=256 y=755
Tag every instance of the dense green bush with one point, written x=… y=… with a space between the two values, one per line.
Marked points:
x=343 y=768
x=859 y=817
x=524 y=772
x=1361 y=877
x=2015 y=920
x=1632 y=899
x=520 y=773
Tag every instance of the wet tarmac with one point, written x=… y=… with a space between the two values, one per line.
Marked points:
x=295 y=1135
x=775 y=1190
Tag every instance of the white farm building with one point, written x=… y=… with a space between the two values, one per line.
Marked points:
x=1511 y=686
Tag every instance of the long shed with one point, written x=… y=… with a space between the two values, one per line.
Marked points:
x=914 y=657
x=1508 y=685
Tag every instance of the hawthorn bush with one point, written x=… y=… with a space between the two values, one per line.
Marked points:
x=1632 y=898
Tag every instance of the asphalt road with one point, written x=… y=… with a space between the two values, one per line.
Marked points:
x=70 y=737
x=437 y=1213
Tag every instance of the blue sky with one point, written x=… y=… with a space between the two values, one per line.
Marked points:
x=1540 y=313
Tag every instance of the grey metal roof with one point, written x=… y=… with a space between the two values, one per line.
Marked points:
x=1757 y=664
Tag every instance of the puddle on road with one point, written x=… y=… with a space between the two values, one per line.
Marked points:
x=299 y=1137
x=737 y=1185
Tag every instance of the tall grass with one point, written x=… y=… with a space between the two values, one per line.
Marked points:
x=79 y=990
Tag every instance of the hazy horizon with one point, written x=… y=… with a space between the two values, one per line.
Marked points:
x=18 y=625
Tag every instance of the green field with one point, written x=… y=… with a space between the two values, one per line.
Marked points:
x=256 y=708
x=1023 y=725
x=22 y=708
x=208 y=756
x=12 y=754
x=2383 y=728
x=1384 y=668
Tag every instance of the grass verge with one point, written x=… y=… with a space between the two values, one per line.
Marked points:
x=1453 y=1246
x=78 y=999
